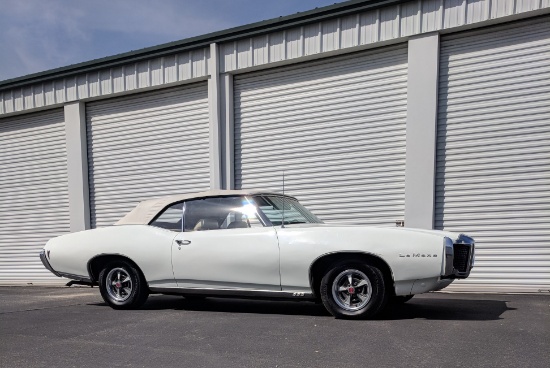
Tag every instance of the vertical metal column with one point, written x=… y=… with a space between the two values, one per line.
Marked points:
x=228 y=150
x=77 y=165
x=214 y=113
x=422 y=90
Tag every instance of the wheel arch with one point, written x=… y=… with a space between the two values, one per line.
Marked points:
x=322 y=264
x=96 y=263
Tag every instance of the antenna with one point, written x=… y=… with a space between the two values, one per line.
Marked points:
x=283 y=221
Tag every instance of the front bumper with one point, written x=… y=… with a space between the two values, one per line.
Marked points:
x=459 y=257
x=46 y=263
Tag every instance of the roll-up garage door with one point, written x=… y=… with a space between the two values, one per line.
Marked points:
x=34 y=194
x=493 y=153
x=145 y=146
x=337 y=130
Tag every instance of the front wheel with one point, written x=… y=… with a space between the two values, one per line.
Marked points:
x=122 y=286
x=353 y=290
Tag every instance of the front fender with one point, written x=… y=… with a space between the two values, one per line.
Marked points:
x=409 y=255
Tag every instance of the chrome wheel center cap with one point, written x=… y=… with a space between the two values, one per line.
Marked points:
x=118 y=285
x=351 y=290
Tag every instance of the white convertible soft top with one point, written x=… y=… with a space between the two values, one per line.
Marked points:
x=146 y=211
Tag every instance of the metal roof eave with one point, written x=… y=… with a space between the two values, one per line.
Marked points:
x=231 y=34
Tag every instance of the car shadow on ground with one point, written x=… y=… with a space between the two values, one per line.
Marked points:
x=451 y=309
x=228 y=305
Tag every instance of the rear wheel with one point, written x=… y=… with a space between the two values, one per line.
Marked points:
x=353 y=290
x=122 y=286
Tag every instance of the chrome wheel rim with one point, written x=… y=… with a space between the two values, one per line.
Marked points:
x=119 y=284
x=351 y=290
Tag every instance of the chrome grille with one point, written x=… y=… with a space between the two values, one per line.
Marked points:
x=461 y=257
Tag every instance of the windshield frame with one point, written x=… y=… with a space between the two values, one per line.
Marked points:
x=266 y=219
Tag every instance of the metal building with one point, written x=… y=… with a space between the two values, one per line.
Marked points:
x=431 y=112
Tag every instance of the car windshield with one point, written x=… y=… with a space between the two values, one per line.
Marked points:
x=294 y=212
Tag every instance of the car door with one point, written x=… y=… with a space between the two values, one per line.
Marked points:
x=224 y=245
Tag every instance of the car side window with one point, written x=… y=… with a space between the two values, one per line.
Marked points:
x=220 y=213
x=170 y=218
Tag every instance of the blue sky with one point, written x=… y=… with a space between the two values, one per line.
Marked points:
x=38 y=35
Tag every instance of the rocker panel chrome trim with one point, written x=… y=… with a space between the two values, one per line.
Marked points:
x=236 y=293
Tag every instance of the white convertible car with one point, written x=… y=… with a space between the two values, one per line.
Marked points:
x=256 y=244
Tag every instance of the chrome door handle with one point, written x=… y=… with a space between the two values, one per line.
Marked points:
x=183 y=242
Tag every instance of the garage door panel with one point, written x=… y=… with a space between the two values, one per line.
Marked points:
x=145 y=182
x=34 y=197
x=47 y=140
x=493 y=152
x=515 y=107
x=502 y=38
x=491 y=173
x=353 y=67
x=148 y=122
x=342 y=91
x=313 y=166
x=331 y=128
x=510 y=98
x=514 y=164
x=469 y=118
x=144 y=146
x=527 y=253
x=380 y=61
x=385 y=139
x=319 y=107
x=513 y=222
x=18 y=131
x=309 y=88
x=513 y=126
x=337 y=130
x=148 y=165
x=337 y=146
x=150 y=128
x=498 y=63
x=486 y=195
x=309 y=92
x=350 y=117
x=375 y=120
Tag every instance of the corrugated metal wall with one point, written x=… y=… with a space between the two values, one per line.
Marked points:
x=34 y=195
x=140 y=75
x=144 y=146
x=390 y=22
x=493 y=152
x=337 y=129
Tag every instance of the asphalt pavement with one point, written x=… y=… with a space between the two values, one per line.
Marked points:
x=72 y=327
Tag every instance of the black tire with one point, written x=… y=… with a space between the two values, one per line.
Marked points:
x=370 y=294
x=401 y=299
x=130 y=292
